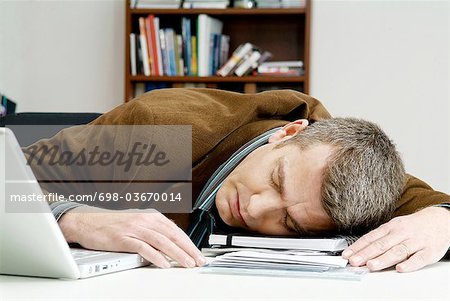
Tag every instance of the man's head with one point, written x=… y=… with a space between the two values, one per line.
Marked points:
x=339 y=174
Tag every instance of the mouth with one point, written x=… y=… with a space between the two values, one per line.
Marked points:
x=236 y=210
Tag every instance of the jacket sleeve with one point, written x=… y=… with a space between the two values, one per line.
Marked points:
x=417 y=195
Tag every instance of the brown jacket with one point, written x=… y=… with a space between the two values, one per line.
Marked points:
x=223 y=121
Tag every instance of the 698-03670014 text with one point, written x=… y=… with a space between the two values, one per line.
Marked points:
x=101 y=197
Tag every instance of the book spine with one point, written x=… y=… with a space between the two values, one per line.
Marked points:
x=236 y=57
x=149 y=46
x=194 y=63
x=139 y=63
x=153 y=36
x=216 y=53
x=203 y=44
x=186 y=33
x=144 y=47
x=133 y=54
x=164 y=54
x=176 y=47
x=180 y=55
x=224 y=48
x=170 y=47
x=158 y=46
x=211 y=54
x=265 y=56
x=248 y=64
x=294 y=64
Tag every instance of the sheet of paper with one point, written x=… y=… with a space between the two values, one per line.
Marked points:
x=335 y=261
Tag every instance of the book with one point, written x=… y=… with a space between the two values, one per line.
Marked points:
x=265 y=56
x=187 y=48
x=332 y=244
x=160 y=66
x=194 y=64
x=149 y=46
x=206 y=27
x=206 y=4
x=157 y=4
x=133 y=54
x=181 y=68
x=143 y=40
x=170 y=47
x=249 y=64
x=281 y=68
x=240 y=52
x=293 y=3
x=151 y=40
x=139 y=60
x=176 y=44
x=224 y=48
x=164 y=53
x=293 y=64
x=214 y=53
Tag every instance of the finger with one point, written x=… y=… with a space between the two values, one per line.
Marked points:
x=165 y=245
x=365 y=241
x=130 y=244
x=375 y=249
x=414 y=263
x=180 y=238
x=396 y=254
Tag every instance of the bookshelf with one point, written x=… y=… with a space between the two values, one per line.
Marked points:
x=285 y=32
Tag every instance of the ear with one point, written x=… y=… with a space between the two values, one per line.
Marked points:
x=289 y=130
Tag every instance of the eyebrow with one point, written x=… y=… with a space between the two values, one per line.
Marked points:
x=282 y=178
x=282 y=185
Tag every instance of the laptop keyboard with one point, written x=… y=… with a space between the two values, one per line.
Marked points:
x=83 y=254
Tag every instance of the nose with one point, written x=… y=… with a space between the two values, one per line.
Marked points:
x=262 y=206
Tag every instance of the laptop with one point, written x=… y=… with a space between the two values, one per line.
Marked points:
x=31 y=244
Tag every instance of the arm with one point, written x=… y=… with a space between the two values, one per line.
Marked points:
x=418 y=236
x=146 y=232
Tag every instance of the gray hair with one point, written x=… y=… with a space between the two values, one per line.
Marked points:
x=364 y=176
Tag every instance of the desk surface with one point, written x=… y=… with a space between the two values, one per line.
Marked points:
x=431 y=283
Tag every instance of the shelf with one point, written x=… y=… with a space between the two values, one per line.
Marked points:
x=218 y=79
x=285 y=32
x=225 y=11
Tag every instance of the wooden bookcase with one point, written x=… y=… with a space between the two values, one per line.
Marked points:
x=284 y=32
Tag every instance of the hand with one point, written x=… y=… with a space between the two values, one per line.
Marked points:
x=410 y=242
x=146 y=232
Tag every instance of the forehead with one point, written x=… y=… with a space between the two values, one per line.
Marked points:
x=303 y=171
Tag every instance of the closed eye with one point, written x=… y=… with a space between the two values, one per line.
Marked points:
x=285 y=223
x=272 y=179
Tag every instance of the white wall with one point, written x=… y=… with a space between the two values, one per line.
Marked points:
x=62 y=55
x=386 y=61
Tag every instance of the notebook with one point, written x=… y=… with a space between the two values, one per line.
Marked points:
x=31 y=243
x=331 y=244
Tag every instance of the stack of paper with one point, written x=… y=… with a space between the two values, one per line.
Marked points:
x=257 y=259
x=280 y=256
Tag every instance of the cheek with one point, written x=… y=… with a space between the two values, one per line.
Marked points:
x=221 y=202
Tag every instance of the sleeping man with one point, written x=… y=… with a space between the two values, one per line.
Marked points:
x=274 y=163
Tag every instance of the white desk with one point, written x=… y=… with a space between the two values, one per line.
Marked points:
x=431 y=283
